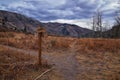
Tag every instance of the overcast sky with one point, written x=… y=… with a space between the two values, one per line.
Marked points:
x=77 y=12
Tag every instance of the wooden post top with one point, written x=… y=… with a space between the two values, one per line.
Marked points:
x=41 y=30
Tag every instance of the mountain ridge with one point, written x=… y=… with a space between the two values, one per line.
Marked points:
x=28 y=24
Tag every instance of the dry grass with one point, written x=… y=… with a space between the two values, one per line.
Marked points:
x=99 y=65
x=50 y=42
x=107 y=45
x=18 y=66
x=99 y=59
x=18 y=40
x=84 y=44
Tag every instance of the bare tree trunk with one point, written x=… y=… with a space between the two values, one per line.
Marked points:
x=93 y=27
x=97 y=23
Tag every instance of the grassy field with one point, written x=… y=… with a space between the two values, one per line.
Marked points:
x=96 y=58
x=15 y=65
x=49 y=42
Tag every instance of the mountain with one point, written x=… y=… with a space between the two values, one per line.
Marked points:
x=19 y=21
x=65 y=29
x=22 y=23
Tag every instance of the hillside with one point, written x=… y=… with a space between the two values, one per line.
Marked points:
x=113 y=33
x=19 y=21
x=65 y=29
x=23 y=23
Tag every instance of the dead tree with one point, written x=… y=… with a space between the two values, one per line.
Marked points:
x=116 y=31
x=117 y=18
x=97 y=22
x=93 y=27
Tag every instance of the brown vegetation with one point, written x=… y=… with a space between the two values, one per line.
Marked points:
x=84 y=44
x=27 y=41
x=97 y=58
x=15 y=65
x=19 y=40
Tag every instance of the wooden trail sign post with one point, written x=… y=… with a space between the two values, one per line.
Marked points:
x=40 y=32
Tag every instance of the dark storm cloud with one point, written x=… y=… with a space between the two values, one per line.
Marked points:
x=43 y=10
x=46 y=10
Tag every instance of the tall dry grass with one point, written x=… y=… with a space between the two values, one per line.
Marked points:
x=96 y=54
x=110 y=45
x=16 y=65
x=19 y=40
x=12 y=63
x=28 y=41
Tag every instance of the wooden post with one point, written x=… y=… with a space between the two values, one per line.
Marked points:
x=40 y=48
x=40 y=32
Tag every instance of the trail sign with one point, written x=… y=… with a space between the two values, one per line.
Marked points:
x=40 y=32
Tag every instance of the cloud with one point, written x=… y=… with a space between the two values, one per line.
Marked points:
x=2 y=7
x=80 y=22
x=70 y=11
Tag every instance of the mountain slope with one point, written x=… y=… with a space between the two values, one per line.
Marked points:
x=65 y=29
x=19 y=21
x=23 y=23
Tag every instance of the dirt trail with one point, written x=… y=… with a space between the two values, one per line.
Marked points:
x=65 y=62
